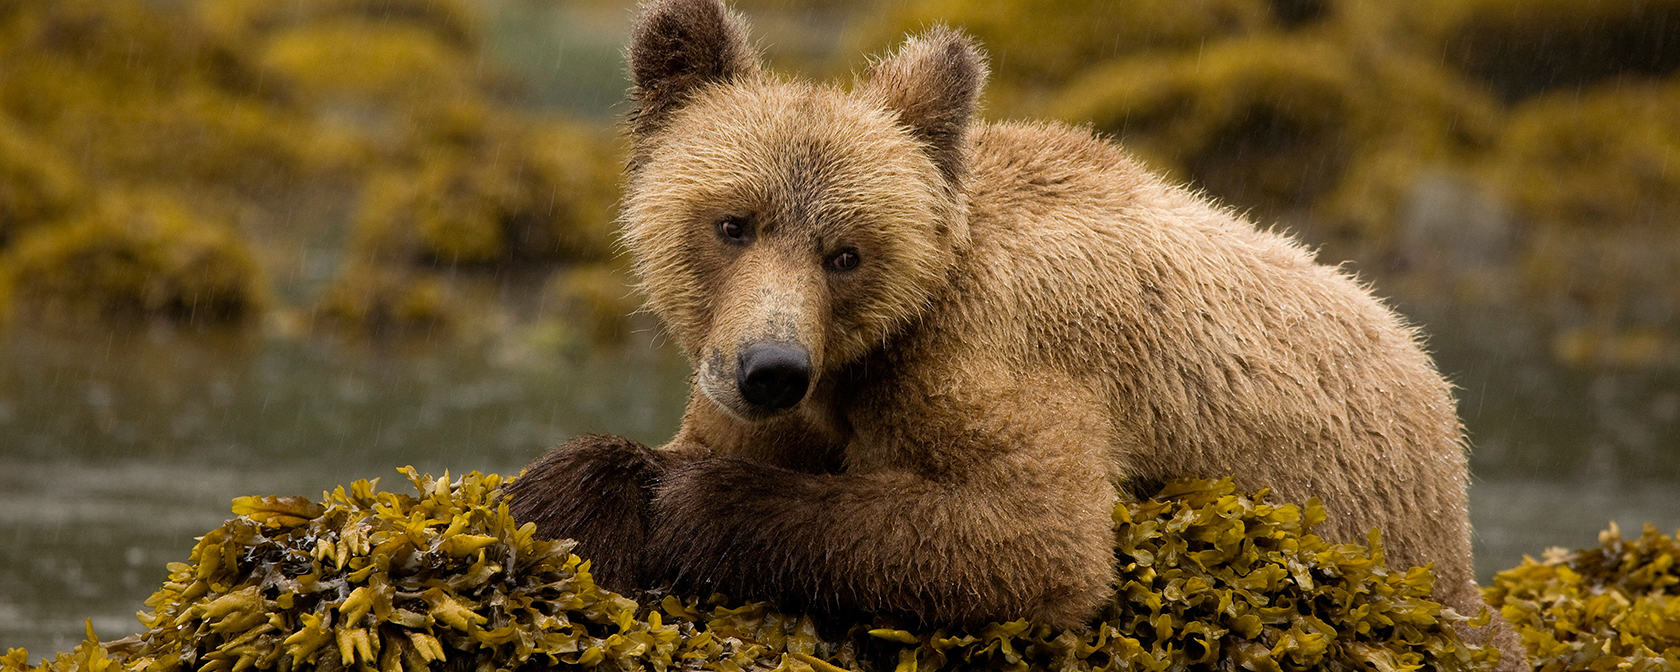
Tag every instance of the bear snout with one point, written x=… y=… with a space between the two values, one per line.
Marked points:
x=773 y=376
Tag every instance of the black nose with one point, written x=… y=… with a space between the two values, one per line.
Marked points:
x=773 y=376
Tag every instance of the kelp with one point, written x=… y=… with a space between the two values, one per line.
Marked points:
x=446 y=579
x=276 y=121
x=241 y=20
x=1520 y=48
x=37 y=184
x=376 y=579
x=1614 y=607
x=140 y=255
x=369 y=301
x=491 y=194
x=596 y=303
x=1596 y=159
x=1287 y=124
x=1036 y=46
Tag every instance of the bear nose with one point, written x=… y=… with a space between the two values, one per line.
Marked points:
x=773 y=376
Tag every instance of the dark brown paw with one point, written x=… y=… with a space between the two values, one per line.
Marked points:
x=596 y=490
x=734 y=526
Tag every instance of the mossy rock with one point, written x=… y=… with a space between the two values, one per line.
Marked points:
x=1601 y=159
x=1287 y=124
x=373 y=302
x=1212 y=579
x=244 y=20
x=1034 y=46
x=512 y=195
x=1522 y=48
x=595 y=303
x=37 y=185
x=138 y=256
x=391 y=63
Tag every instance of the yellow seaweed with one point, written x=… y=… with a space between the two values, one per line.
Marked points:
x=1211 y=578
x=136 y=255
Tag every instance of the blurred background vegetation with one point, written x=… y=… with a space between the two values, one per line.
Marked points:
x=179 y=161
x=183 y=159
x=291 y=238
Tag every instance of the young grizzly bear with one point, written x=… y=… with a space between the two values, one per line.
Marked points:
x=928 y=350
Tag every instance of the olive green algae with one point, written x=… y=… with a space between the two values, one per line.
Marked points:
x=1615 y=607
x=445 y=578
x=1211 y=579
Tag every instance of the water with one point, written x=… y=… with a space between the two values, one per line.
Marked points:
x=117 y=449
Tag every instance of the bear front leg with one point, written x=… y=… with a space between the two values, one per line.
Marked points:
x=595 y=490
x=1009 y=543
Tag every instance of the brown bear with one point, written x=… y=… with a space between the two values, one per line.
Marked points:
x=928 y=350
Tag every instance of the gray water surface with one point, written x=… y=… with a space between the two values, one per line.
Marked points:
x=116 y=451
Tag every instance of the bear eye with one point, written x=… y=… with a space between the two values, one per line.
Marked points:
x=844 y=260
x=734 y=228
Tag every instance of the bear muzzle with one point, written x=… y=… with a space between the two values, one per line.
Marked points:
x=773 y=376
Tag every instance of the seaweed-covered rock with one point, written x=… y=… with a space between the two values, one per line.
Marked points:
x=1599 y=159
x=1594 y=177
x=381 y=70
x=1615 y=607
x=596 y=304
x=108 y=39
x=1037 y=45
x=1212 y=580
x=371 y=301
x=1286 y=124
x=1524 y=47
x=366 y=578
x=198 y=118
x=143 y=256
x=497 y=195
x=382 y=61
x=37 y=186
x=241 y=20
x=285 y=117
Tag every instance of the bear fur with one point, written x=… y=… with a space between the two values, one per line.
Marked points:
x=985 y=329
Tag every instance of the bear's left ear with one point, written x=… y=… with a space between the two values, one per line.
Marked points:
x=933 y=82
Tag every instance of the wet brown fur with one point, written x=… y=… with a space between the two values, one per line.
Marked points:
x=598 y=489
x=1036 y=321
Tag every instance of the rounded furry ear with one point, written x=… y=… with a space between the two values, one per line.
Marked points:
x=677 y=46
x=934 y=84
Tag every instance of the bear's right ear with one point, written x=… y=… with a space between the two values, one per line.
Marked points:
x=678 y=46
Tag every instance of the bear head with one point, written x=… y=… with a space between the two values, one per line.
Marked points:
x=783 y=230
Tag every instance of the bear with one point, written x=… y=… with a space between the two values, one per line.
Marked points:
x=930 y=352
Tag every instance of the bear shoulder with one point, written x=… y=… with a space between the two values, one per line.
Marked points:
x=1069 y=179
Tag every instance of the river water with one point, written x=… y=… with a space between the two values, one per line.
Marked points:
x=117 y=449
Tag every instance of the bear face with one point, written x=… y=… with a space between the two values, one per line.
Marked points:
x=773 y=272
